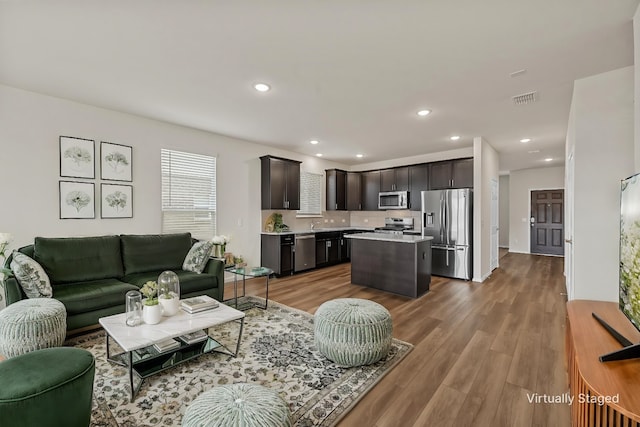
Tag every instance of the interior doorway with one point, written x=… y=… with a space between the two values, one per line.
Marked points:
x=547 y=222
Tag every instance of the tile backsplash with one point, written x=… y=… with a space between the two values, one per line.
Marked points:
x=368 y=219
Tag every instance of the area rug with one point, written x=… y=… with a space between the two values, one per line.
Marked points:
x=277 y=351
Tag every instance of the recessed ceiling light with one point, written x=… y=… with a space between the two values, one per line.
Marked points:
x=548 y=159
x=314 y=141
x=525 y=140
x=359 y=156
x=423 y=113
x=455 y=138
x=261 y=87
x=319 y=155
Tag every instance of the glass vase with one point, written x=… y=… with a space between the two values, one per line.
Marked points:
x=133 y=306
x=169 y=292
x=219 y=250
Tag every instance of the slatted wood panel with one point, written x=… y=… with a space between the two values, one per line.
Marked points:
x=586 y=341
x=480 y=349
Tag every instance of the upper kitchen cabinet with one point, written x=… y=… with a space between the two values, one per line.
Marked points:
x=370 y=190
x=354 y=191
x=336 y=189
x=451 y=174
x=394 y=179
x=280 y=183
x=418 y=181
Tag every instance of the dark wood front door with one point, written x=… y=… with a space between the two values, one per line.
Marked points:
x=547 y=222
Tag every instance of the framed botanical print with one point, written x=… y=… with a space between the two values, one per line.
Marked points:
x=116 y=201
x=77 y=157
x=77 y=200
x=115 y=162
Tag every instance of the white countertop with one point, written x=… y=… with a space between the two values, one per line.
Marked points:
x=401 y=238
x=316 y=230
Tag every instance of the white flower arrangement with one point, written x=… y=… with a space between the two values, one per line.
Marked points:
x=220 y=240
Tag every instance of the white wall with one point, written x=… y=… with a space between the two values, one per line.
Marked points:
x=521 y=183
x=485 y=169
x=503 y=214
x=601 y=137
x=30 y=125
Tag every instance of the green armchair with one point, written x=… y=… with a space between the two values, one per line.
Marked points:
x=50 y=387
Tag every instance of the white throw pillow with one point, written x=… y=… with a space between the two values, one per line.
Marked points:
x=31 y=276
x=198 y=256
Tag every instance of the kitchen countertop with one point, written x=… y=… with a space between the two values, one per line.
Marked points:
x=401 y=238
x=315 y=230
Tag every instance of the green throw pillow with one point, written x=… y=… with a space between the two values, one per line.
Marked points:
x=198 y=256
x=31 y=276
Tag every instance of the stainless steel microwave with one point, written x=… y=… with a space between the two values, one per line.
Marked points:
x=393 y=200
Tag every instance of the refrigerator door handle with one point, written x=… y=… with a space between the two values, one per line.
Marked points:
x=441 y=216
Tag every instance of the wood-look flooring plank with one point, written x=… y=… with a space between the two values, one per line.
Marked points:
x=514 y=409
x=509 y=328
x=483 y=398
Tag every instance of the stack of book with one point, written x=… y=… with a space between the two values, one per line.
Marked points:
x=198 y=304
x=194 y=337
x=166 y=345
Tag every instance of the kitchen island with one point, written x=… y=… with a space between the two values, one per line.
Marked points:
x=399 y=264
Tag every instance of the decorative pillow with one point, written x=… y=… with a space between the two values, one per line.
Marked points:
x=31 y=276
x=198 y=256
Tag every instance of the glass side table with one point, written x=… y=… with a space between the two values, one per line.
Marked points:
x=250 y=272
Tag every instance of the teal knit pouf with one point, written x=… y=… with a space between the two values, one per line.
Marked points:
x=352 y=331
x=32 y=324
x=238 y=405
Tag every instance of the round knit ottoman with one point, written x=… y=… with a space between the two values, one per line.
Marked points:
x=352 y=331
x=32 y=324
x=238 y=405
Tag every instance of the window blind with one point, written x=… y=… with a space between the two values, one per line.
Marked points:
x=188 y=194
x=310 y=193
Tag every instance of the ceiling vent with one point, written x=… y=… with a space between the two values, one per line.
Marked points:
x=525 y=98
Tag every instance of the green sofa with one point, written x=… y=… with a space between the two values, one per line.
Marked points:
x=91 y=275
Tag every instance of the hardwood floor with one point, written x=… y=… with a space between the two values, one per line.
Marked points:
x=481 y=349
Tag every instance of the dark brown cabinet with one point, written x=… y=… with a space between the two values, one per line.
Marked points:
x=277 y=253
x=280 y=183
x=451 y=174
x=462 y=173
x=336 y=189
x=328 y=248
x=354 y=191
x=370 y=190
x=394 y=179
x=418 y=181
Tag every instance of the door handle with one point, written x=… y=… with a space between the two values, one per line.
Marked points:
x=569 y=241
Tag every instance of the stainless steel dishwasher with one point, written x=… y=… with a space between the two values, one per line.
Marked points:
x=305 y=252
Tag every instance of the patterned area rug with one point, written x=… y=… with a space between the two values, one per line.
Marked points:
x=277 y=351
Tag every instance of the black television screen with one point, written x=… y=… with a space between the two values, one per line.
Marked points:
x=629 y=281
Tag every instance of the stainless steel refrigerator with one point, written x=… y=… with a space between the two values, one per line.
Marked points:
x=447 y=216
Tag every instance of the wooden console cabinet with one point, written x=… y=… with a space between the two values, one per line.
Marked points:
x=605 y=394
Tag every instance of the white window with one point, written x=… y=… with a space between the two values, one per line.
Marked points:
x=188 y=194
x=310 y=194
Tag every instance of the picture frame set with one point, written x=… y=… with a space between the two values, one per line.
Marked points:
x=77 y=160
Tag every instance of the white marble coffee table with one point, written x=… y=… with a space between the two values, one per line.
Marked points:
x=143 y=360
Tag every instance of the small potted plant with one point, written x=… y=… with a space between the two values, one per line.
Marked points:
x=239 y=261
x=152 y=310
